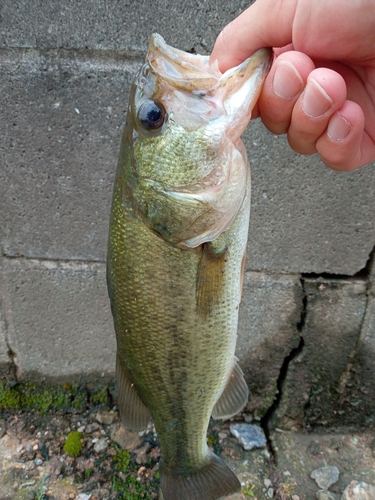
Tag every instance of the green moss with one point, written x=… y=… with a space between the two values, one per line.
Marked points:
x=212 y=440
x=87 y=473
x=99 y=397
x=131 y=488
x=39 y=397
x=73 y=444
x=36 y=398
x=9 y=398
x=122 y=460
x=79 y=397
x=31 y=396
x=248 y=490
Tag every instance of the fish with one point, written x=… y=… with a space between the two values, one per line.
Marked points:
x=176 y=254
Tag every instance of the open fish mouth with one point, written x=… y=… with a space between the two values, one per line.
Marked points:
x=181 y=69
x=187 y=71
x=232 y=93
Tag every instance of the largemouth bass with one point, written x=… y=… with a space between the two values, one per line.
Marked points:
x=176 y=255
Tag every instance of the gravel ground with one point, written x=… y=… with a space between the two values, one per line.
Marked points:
x=113 y=463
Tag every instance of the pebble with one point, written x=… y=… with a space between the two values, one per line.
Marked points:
x=105 y=417
x=38 y=461
x=266 y=454
x=142 y=457
x=267 y=482
x=325 y=495
x=295 y=497
x=29 y=465
x=100 y=445
x=128 y=440
x=2 y=428
x=90 y=428
x=359 y=491
x=325 y=476
x=270 y=492
x=83 y=496
x=249 y=436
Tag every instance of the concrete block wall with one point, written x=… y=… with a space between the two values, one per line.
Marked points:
x=307 y=321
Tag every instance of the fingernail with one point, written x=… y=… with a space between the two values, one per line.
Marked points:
x=315 y=100
x=338 y=127
x=287 y=82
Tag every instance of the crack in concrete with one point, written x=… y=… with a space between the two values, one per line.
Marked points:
x=266 y=420
x=370 y=264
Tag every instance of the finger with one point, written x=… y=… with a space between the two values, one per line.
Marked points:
x=283 y=86
x=345 y=145
x=324 y=94
x=254 y=29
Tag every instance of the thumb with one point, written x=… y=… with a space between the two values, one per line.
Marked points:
x=265 y=23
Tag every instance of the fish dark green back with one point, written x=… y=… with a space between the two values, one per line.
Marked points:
x=177 y=240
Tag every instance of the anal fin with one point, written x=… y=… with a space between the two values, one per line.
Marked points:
x=235 y=395
x=214 y=480
x=134 y=413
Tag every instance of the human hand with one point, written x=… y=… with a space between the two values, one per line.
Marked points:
x=321 y=87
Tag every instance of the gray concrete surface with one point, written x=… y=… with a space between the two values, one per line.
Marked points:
x=305 y=217
x=62 y=327
x=270 y=311
x=4 y=355
x=66 y=69
x=6 y=361
x=299 y=454
x=63 y=112
x=322 y=388
x=62 y=117
x=121 y=26
x=364 y=365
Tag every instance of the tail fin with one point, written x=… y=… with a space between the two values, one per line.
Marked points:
x=214 y=480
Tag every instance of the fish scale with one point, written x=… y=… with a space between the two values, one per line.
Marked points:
x=175 y=262
x=158 y=157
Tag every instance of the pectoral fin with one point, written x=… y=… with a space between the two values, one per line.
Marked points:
x=210 y=278
x=134 y=414
x=234 y=396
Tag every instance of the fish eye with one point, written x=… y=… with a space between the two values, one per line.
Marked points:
x=151 y=114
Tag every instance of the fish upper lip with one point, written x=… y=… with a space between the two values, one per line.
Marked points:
x=192 y=72
x=181 y=69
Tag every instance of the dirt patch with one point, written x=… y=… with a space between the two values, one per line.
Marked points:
x=112 y=463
